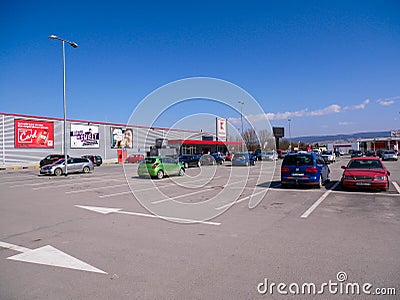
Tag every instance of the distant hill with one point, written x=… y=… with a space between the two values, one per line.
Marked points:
x=340 y=137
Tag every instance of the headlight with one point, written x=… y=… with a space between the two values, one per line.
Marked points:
x=380 y=178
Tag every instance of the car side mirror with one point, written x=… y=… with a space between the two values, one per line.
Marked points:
x=343 y=167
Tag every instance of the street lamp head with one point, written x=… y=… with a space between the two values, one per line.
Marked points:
x=74 y=45
x=53 y=37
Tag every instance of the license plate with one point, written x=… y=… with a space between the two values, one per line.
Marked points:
x=298 y=174
x=363 y=183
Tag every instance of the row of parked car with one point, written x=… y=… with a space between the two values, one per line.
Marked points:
x=312 y=169
x=54 y=164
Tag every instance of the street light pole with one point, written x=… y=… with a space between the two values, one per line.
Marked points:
x=290 y=136
x=73 y=45
x=241 y=118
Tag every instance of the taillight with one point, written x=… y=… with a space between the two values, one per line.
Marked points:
x=285 y=170
x=311 y=170
x=154 y=166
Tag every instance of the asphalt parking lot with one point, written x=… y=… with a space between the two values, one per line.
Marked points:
x=216 y=233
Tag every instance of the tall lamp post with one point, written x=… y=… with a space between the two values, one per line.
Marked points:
x=290 y=136
x=241 y=118
x=73 y=45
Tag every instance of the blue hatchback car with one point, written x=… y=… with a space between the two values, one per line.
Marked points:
x=243 y=159
x=304 y=169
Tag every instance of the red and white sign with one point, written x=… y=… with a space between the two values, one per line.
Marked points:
x=221 y=129
x=33 y=134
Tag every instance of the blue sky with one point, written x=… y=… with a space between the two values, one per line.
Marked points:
x=330 y=66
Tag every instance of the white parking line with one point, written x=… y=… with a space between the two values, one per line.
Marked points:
x=192 y=193
x=240 y=200
x=319 y=201
x=148 y=189
x=396 y=186
x=69 y=184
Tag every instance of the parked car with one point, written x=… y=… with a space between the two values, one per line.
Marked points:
x=356 y=153
x=219 y=157
x=370 y=153
x=243 y=159
x=160 y=166
x=51 y=158
x=96 y=159
x=282 y=153
x=134 y=158
x=304 y=169
x=74 y=165
x=328 y=156
x=190 y=160
x=228 y=157
x=208 y=159
x=365 y=172
x=389 y=155
x=267 y=155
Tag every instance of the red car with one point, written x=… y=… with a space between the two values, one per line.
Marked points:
x=134 y=158
x=365 y=173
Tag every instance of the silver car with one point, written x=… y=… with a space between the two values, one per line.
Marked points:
x=74 y=164
x=389 y=155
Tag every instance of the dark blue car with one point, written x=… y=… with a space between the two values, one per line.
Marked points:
x=304 y=169
x=243 y=159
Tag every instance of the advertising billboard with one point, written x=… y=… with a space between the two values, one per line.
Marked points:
x=84 y=136
x=221 y=129
x=121 y=138
x=33 y=134
x=395 y=133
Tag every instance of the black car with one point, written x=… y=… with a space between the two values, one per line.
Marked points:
x=190 y=160
x=370 y=153
x=208 y=159
x=51 y=158
x=96 y=159
x=357 y=153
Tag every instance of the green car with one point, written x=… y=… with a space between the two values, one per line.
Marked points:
x=160 y=166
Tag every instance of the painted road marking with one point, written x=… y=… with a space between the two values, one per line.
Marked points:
x=149 y=189
x=193 y=193
x=396 y=186
x=108 y=210
x=319 y=201
x=50 y=256
x=241 y=200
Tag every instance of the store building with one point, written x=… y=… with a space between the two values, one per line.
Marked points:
x=25 y=140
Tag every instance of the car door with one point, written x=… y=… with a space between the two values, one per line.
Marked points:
x=323 y=167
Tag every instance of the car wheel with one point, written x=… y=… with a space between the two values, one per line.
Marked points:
x=160 y=174
x=186 y=165
x=181 y=172
x=86 y=170
x=58 y=172
x=320 y=182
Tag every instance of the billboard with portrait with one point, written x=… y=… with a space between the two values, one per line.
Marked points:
x=121 y=137
x=33 y=134
x=84 y=136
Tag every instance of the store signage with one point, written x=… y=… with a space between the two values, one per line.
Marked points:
x=221 y=129
x=84 y=136
x=33 y=134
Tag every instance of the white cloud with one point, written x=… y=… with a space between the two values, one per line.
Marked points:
x=331 y=109
x=387 y=101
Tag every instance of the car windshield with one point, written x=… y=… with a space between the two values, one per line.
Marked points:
x=327 y=152
x=298 y=160
x=390 y=152
x=365 y=164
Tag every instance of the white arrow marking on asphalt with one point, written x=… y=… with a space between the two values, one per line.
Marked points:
x=48 y=255
x=108 y=210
